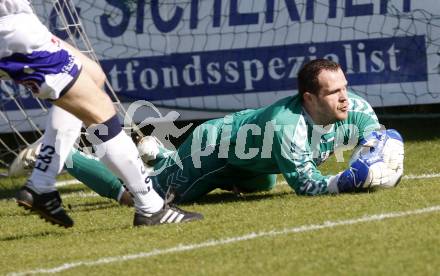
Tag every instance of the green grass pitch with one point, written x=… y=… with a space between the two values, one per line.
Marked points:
x=384 y=232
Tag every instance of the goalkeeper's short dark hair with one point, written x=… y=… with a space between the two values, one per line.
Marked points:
x=308 y=75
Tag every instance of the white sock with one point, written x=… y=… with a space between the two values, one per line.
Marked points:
x=62 y=130
x=122 y=158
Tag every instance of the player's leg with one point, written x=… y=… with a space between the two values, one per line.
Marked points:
x=245 y=181
x=83 y=167
x=201 y=170
x=86 y=168
x=95 y=175
x=225 y=178
x=105 y=184
x=259 y=183
x=77 y=93
x=62 y=130
x=87 y=101
x=92 y=68
x=118 y=151
x=29 y=56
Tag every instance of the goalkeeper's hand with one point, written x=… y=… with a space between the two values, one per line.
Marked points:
x=377 y=162
x=364 y=173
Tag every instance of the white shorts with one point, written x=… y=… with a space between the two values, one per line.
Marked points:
x=33 y=57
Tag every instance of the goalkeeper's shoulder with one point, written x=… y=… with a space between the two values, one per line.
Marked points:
x=357 y=104
x=362 y=115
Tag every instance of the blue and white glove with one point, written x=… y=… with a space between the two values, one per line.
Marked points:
x=378 y=161
x=393 y=155
x=365 y=172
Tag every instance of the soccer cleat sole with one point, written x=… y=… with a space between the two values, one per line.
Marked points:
x=24 y=199
x=24 y=204
x=43 y=215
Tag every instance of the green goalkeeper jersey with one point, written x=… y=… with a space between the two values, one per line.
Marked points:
x=291 y=144
x=249 y=148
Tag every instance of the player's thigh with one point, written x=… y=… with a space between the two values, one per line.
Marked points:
x=87 y=101
x=246 y=181
x=194 y=191
x=90 y=66
x=32 y=56
x=257 y=183
x=224 y=177
x=188 y=180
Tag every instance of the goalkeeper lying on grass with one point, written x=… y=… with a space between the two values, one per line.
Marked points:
x=244 y=151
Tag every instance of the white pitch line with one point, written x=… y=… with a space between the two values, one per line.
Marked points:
x=421 y=176
x=67 y=182
x=212 y=243
x=80 y=194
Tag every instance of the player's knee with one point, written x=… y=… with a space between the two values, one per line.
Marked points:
x=95 y=72
x=263 y=187
x=258 y=184
x=99 y=77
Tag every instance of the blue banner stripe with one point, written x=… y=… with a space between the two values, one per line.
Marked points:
x=251 y=70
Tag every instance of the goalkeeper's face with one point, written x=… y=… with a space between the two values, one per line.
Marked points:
x=331 y=102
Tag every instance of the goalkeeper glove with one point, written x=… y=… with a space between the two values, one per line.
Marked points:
x=365 y=172
x=378 y=161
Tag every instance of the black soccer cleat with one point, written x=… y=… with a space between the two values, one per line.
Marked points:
x=169 y=214
x=47 y=205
